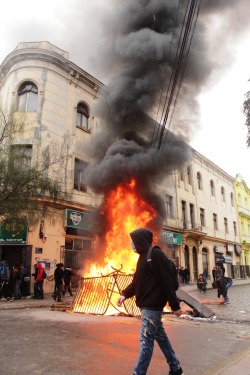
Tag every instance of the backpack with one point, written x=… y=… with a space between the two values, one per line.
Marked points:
x=44 y=274
x=2 y=271
x=169 y=265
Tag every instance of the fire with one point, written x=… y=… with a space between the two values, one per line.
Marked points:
x=124 y=212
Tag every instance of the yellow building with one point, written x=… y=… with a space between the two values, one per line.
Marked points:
x=242 y=194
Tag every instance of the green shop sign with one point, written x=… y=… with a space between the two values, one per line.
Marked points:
x=13 y=232
x=80 y=220
x=171 y=237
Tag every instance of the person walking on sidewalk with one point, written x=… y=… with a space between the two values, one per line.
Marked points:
x=38 y=282
x=68 y=273
x=58 y=276
x=221 y=284
x=152 y=288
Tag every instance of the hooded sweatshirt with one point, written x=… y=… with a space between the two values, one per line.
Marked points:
x=150 y=286
x=39 y=273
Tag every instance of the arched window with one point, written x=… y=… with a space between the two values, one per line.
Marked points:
x=199 y=181
x=212 y=188
x=82 y=117
x=27 y=97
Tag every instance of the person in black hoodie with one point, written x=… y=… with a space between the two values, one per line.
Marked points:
x=152 y=289
x=58 y=276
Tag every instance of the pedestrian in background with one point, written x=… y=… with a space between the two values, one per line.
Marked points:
x=213 y=273
x=16 y=279
x=5 y=281
x=220 y=283
x=186 y=276
x=229 y=283
x=153 y=288
x=205 y=274
x=180 y=275
x=201 y=284
x=68 y=273
x=58 y=276
x=38 y=282
x=25 y=283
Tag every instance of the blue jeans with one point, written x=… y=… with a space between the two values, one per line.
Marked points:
x=228 y=284
x=152 y=329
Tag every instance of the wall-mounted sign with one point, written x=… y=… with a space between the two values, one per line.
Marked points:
x=13 y=232
x=171 y=237
x=79 y=220
x=230 y=248
x=38 y=250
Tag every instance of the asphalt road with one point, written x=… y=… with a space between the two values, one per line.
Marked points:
x=41 y=341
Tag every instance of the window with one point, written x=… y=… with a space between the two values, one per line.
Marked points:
x=242 y=229
x=199 y=181
x=82 y=117
x=183 y=214
x=215 y=221
x=79 y=178
x=246 y=203
x=239 y=199
x=27 y=97
x=212 y=188
x=223 y=194
x=181 y=175
x=21 y=155
x=202 y=217
x=191 y=210
x=225 y=225
x=232 y=199
x=235 y=228
x=189 y=175
x=169 y=205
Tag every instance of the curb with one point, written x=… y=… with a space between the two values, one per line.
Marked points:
x=234 y=365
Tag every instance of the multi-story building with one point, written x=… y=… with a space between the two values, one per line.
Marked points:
x=242 y=195
x=201 y=209
x=57 y=97
x=38 y=81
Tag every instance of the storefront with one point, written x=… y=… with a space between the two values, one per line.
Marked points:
x=80 y=233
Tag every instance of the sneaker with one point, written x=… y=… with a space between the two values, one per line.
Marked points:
x=3 y=299
x=178 y=372
x=28 y=297
x=226 y=302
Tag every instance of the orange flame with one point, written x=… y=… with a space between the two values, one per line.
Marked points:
x=124 y=212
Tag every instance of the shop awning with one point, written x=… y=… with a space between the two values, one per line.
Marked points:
x=223 y=259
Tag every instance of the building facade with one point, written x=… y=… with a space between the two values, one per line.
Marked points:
x=38 y=81
x=242 y=194
x=201 y=208
x=56 y=97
